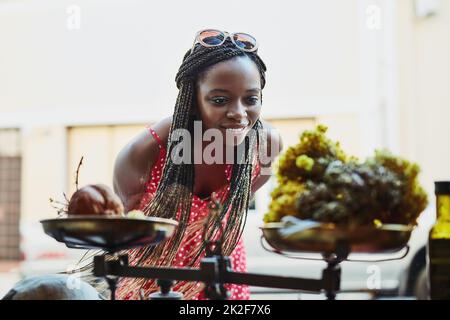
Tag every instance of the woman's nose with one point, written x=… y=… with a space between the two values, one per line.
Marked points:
x=237 y=112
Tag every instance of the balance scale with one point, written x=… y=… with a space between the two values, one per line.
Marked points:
x=333 y=245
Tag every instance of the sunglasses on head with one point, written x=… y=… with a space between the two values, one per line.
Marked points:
x=214 y=38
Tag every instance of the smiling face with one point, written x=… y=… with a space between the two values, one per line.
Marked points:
x=229 y=98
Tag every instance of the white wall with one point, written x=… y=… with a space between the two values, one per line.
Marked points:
x=43 y=170
x=424 y=90
x=121 y=64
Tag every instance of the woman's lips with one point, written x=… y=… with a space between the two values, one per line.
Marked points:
x=235 y=129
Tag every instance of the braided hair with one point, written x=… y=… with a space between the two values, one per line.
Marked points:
x=173 y=197
x=175 y=191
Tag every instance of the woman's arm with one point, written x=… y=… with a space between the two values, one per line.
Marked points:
x=273 y=140
x=134 y=162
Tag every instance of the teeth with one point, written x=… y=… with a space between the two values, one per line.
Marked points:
x=235 y=130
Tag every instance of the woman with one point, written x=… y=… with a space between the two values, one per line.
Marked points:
x=220 y=86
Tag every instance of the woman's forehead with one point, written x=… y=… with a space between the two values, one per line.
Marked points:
x=239 y=72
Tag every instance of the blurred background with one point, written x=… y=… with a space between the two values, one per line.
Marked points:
x=82 y=77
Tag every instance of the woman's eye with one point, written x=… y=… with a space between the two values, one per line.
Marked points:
x=253 y=100
x=219 y=100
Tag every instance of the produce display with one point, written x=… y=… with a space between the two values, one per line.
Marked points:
x=317 y=181
x=95 y=199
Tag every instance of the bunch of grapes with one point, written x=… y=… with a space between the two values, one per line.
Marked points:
x=317 y=181
x=413 y=198
x=308 y=159
x=284 y=200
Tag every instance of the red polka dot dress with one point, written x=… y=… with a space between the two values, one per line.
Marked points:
x=199 y=210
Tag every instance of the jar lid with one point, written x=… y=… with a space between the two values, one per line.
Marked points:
x=442 y=187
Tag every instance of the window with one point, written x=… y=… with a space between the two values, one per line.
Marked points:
x=10 y=187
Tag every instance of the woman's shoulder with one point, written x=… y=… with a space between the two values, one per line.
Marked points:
x=162 y=129
x=145 y=147
x=274 y=140
x=266 y=157
x=135 y=160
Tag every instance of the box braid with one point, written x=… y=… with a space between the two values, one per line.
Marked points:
x=173 y=198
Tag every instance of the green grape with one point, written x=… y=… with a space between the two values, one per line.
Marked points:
x=304 y=162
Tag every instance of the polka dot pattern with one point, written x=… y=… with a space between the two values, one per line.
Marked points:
x=198 y=211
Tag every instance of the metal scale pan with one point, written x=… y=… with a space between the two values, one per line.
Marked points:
x=326 y=238
x=110 y=233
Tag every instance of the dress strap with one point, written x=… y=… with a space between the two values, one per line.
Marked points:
x=157 y=138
